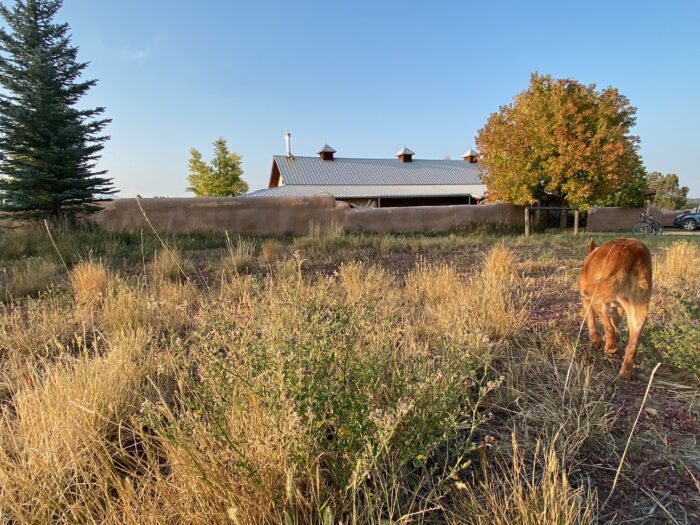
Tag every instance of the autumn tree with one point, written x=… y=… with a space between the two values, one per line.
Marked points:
x=220 y=178
x=561 y=140
x=669 y=194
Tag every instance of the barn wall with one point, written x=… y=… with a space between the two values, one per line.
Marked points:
x=280 y=215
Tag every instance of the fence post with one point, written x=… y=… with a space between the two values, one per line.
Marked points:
x=527 y=221
x=575 y=222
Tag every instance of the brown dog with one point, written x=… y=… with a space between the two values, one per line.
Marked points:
x=616 y=280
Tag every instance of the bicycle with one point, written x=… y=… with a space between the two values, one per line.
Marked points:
x=647 y=226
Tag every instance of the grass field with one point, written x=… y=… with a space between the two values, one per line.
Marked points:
x=336 y=379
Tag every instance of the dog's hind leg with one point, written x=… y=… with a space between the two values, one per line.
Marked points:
x=593 y=334
x=636 y=319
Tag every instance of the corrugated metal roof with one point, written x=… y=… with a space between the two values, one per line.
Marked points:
x=376 y=172
x=340 y=191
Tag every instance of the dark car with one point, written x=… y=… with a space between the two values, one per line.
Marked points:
x=688 y=220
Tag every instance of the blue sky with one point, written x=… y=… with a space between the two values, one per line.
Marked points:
x=368 y=77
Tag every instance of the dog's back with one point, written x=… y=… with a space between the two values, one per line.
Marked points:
x=618 y=268
x=617 y=278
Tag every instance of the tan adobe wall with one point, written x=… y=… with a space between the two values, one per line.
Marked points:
x=258 y=216
x=622 y=219
x=280 y=215
x=431 y=218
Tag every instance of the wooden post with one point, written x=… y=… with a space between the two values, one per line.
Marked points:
x=527 y=221
x=575 y=222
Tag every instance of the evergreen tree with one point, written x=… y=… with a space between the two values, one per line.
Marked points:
x=48 y=147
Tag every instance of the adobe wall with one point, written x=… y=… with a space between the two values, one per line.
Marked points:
x=258 y=216
x=431 y=218
x=280 y=215
x=622 y=219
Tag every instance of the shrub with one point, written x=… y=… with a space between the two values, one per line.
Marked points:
x=677 y=342
x=314 y=408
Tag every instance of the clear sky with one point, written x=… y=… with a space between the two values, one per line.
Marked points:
x=369 y=77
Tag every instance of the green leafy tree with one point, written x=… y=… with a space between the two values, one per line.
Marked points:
x=220 y=178
x=560 y=140
x=669 y=194
x=631 y=195
x=48 y=147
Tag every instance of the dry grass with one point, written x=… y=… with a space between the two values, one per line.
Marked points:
x=360 y=393
x=53 y=464
x=532 y=489
x=168 y=265
x=678 y=267
x=240 y=255
x=271 y=251
x=332 y=228
x=90 y=281
x=31 y=276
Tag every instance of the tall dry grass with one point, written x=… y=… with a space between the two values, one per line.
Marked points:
x=332 y=228
x=271 y=251
x=169 y=265
x=90 y=281
x=31 y=276
x=240 y=255
x=289 y=396
x=532 y=489
x=55 y=463
x=677 y=269
x=489 y=303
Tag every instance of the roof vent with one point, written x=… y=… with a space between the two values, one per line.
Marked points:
x=470 y=156
x=288 y=144
x=326 y=152
x=405 y=155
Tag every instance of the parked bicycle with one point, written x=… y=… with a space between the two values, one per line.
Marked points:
x=647 y=226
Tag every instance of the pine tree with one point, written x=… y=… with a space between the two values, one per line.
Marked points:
x=48 y=147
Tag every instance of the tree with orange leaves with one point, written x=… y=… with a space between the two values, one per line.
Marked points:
x=561 y=140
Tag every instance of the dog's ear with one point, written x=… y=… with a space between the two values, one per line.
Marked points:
x=593 y=246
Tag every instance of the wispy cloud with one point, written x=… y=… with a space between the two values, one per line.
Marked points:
x=134 y=55
x=139 y=54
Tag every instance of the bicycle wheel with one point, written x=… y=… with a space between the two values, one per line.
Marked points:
x=642 y=228
x=658 y=230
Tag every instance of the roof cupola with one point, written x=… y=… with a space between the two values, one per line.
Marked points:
x=471 y=156
x=326 y=152
x=405 y=155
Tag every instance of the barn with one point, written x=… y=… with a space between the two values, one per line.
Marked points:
x=380 y=183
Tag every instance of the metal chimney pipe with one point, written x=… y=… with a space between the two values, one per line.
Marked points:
x=288 y=143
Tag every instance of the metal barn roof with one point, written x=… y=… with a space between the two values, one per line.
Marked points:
x=375 y=172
